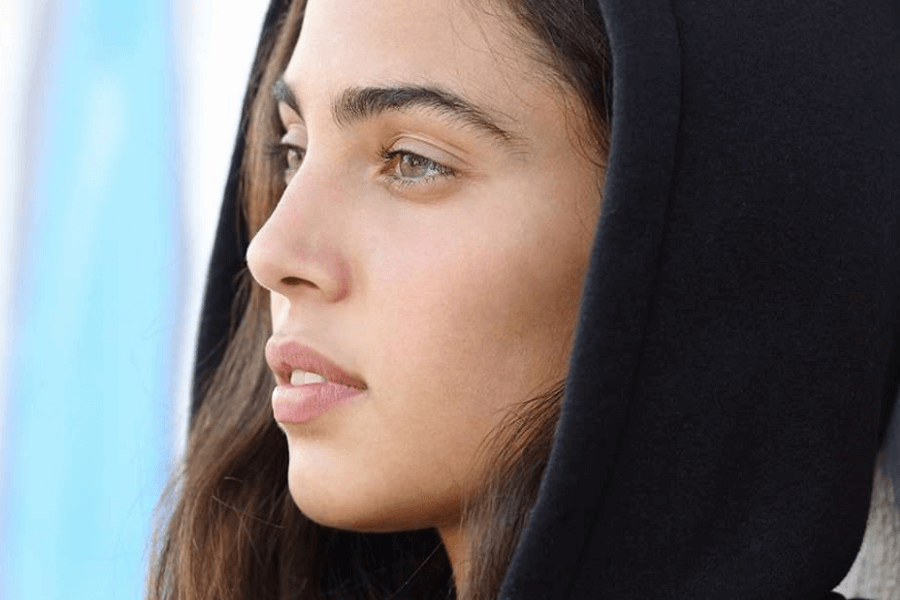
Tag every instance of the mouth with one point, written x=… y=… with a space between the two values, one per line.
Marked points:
x=300 y=377
x=295 y=364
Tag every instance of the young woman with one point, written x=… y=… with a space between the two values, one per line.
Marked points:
x=485 y=387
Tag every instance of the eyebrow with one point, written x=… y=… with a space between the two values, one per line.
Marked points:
x=362 y=103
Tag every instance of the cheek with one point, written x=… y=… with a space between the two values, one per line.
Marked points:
x=475 y=320
x=475 y=310
x=458 y=311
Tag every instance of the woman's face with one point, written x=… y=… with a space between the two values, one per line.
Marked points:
x=431 y=242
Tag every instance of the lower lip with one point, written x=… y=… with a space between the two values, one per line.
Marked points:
x=302 y=403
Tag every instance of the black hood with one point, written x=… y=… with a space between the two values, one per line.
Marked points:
x=738 y=345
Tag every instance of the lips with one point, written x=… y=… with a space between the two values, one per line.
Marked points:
x=309 y=384
x=287 y=357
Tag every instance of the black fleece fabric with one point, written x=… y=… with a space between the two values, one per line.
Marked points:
x=738 y=345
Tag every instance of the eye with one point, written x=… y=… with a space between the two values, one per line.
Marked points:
x=407 y=168
x=288 y=157
x=291 y=159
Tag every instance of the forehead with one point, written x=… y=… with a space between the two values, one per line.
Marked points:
x=453 y=44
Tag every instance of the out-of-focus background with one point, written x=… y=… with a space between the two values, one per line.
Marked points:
x=117 y=119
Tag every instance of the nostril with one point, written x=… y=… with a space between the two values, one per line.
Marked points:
x=297 y=282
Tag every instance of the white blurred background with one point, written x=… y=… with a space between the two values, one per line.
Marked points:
x=117 y=120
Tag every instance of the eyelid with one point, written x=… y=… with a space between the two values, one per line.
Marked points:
x=287 y=116
x=443 y=170
x=433 y=183
x=427 y=150
x=294 y=133
x=293 y=139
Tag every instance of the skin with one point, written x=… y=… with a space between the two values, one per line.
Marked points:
x=453 y=297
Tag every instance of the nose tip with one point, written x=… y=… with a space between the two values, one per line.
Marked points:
x=294 y=265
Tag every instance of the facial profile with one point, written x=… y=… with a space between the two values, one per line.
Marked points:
x=426 y=256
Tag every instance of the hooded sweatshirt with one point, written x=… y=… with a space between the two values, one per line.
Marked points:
x=738 y=344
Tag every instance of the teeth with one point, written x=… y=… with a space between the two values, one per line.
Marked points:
x=299 y=377
x=313 y=378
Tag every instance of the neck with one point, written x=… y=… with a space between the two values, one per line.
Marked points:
x=455 y=543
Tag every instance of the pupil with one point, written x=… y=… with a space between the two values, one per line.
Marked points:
x=293 y=159
x=413 y=166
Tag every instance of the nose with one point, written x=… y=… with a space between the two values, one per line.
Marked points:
x=298 y=252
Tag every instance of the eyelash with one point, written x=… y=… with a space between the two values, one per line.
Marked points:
x=392 y=160
x=279 y=151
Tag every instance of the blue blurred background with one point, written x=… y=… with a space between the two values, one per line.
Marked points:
x=116 y=125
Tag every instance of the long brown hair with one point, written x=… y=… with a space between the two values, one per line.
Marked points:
x=231 y=530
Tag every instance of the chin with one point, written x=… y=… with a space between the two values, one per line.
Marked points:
x=362 y=508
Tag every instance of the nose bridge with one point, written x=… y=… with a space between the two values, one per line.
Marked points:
x=300 y=250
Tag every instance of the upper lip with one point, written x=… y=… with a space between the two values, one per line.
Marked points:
x=286 y=357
